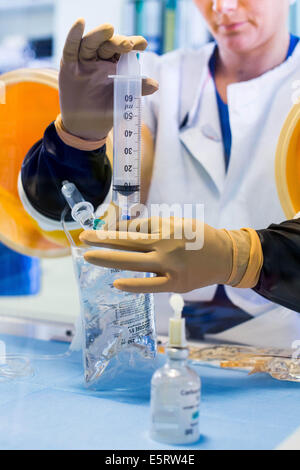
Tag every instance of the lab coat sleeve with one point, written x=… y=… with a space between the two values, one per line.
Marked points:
x=49 y=162
x=280 y=275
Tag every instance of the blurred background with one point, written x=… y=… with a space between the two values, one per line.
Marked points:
x=32 y=34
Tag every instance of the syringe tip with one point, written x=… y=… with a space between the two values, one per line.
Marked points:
x=129 y=64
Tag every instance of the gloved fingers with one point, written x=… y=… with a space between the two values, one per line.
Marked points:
x=119 y=44
x=115 y=45
x=150 y=225
x=73 y=41
x=143 y=262
x=144 y=285
x=139 y=43
x=149 y=86
x=111 y=215
x=93 y=40
x=118 y=240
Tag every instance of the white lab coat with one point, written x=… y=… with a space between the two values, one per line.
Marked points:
x=189 y=167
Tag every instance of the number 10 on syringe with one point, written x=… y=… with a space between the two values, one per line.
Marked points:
x=127 y=133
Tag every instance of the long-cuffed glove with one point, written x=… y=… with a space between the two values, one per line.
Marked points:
x=183 y=253
x=85 y=91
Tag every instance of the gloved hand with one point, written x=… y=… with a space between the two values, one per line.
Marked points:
x=233 y=258
x=110 y=216
x=85 y=91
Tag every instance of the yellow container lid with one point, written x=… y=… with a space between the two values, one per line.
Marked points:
x=29 y=102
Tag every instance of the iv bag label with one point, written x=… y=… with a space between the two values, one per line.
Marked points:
x=134 y=317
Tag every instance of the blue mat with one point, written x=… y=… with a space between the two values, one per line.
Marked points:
x=53 y=409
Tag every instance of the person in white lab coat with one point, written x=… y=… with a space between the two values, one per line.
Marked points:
x=214 y=124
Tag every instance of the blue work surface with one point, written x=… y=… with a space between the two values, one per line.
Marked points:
x=53 y=409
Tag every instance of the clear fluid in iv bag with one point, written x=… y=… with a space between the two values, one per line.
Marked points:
x=114 y=323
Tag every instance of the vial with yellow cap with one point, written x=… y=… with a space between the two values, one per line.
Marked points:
x=175 y=388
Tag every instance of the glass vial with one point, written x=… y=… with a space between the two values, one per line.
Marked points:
x=175 y=400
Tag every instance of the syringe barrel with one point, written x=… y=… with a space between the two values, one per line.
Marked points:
x=127 y=140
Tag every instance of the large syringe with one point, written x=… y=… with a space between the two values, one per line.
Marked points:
x=127 y=133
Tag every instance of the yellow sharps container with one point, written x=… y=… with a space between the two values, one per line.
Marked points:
x=29 y=102
x=287 y=166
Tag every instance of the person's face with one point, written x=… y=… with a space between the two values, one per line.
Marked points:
x=243 y=25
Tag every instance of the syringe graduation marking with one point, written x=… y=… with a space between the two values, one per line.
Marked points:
x=127 y=131
x=126 y=189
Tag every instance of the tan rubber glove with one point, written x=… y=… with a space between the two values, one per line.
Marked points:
x=155 y=245
x=85 y=91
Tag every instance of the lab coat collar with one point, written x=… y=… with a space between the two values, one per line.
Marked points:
x=249 y=103
x=204 y=139
x=242 y=94
x=195 y=77
x=202 y=134
x=247 y=91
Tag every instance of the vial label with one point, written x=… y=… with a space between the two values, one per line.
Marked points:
x=176 y=413
x=189 y=416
